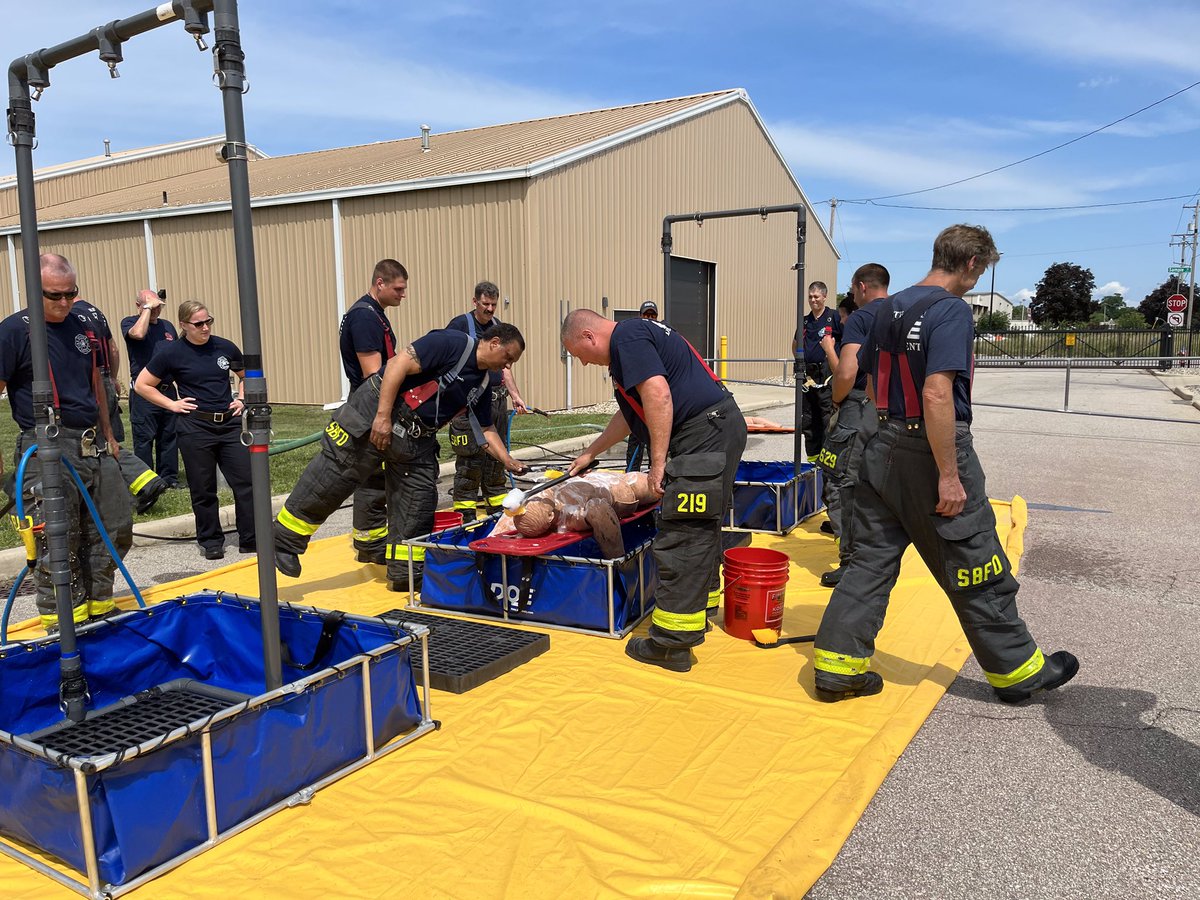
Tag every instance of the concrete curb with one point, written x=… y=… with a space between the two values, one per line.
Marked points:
x=13 y=559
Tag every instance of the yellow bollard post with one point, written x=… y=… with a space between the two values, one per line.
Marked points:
x=724 y=353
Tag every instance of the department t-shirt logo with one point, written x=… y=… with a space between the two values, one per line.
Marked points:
x=222 y=363
x=168 y=337
x=82 y=344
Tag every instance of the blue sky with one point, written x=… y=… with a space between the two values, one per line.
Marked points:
x=865 y=98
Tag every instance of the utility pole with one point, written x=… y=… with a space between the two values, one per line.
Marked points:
x=1192 y=276
x=832 y=212
x=1183 y=241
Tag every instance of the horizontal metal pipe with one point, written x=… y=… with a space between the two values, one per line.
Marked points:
x=1080 y=412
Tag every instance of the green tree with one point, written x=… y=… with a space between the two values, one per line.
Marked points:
x=1129 y=319
x=993 y=321
x=1020 y=313
x=1064 y=295
x=1154 y=307
x=1112 y=306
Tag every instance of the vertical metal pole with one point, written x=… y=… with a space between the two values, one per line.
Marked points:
x=210 y=786
x=1192 y=279
x=256 y=429
x=798 y=368
x=368 y=712
x=87 y=835
x=21 y=129
x=1067 y=384
x=666 y=243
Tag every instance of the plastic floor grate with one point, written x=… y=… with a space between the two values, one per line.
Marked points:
x=132 y=721
x=464 y=655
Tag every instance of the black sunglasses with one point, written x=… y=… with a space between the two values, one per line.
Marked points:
x=202 y=323
x=61 y=295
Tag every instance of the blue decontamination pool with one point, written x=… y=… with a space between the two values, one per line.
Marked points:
x=182 y=748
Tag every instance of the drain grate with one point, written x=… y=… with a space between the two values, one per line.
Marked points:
x=464 y=655
x=134 y=720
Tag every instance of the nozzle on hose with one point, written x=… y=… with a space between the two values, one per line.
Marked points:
x=28 y=532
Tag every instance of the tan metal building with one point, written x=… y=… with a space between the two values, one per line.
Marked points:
x=563 y=211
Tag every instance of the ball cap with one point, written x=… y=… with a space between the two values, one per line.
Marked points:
x=650 y=306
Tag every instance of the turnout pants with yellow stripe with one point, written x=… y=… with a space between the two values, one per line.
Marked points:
x=688 y=550
x=91 y=565
x=370 y=517
x=857 y=422
x=347 y=459
x=894 y=506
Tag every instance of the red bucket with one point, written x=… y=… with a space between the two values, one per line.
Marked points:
x=444 y=519
x=755 y=578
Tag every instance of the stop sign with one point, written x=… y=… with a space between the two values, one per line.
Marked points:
x=1176 y=303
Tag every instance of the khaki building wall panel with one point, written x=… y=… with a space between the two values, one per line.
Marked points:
x=448 y=239
x=596 y=229
x=8 y=302
x=194 y=257
x=110 y=261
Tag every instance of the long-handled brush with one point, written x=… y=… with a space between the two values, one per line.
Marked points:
x=769 y=637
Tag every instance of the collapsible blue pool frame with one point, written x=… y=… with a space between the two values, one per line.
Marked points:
x=122 y=818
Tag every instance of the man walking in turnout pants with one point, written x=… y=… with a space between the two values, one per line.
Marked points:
x=921 y=483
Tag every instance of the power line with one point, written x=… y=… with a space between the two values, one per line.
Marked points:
x=1019 y=208
x=1028 y=158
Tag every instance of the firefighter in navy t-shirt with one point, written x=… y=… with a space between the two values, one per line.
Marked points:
x=474 y=469
x=822 y=335
x=209 y=423
x=84 y=437
x=367 y=342
x=672 y=402
x=154 y=438
x=921 y=483
x=142 y=481
x=856 y=419
x=394 y=417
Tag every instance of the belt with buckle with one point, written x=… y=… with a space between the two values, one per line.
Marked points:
x=215 y=417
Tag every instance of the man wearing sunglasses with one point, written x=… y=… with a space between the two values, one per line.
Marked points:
x=84 y=437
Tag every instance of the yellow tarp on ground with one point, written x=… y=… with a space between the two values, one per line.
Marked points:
x=585 y=774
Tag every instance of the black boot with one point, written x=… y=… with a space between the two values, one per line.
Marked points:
x=287 y=563
x=646 y=650
x=832 y=688
x=149 y=495
x=831 y=579
x=1058 y=669
x=399 y=583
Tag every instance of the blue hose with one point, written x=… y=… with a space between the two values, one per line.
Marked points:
x=87 y=498
x=137 y=595
x=12 y=597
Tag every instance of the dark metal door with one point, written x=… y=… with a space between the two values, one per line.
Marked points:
x=692 y=305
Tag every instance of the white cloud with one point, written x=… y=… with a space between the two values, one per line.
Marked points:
x=1130 y=35
x=1098 y=82
x=1022 y=297
x=1112 y=287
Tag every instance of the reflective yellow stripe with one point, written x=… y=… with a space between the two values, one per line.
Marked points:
x=79 y=614
x=142 y=480
x=714 y=599
x=679 y=621
x=496 y=499
x=812 y=460
x=465 y=504
x=839 y=663
x=401 y=552
x=371 y=534
x=1027 y=669
x=100 y=607
x=291 y=523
